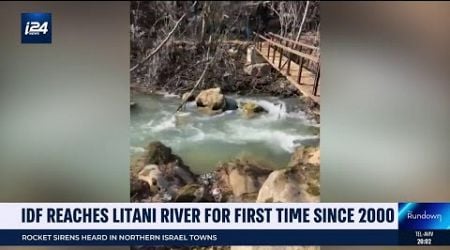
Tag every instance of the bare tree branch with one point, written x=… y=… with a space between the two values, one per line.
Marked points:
x=303 y=21
x=199 y=79
x=160 y=45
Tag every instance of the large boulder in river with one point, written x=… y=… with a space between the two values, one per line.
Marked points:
x=211 y=98
x=238 y=179
x=300 y=182
x=212 y=102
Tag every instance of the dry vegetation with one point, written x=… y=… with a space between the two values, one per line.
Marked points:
x=170 y=41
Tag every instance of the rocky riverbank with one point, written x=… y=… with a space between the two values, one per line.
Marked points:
x=159 y=175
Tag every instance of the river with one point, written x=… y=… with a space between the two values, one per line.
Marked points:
x=202 y=141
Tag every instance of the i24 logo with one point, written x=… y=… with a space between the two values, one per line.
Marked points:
x=36 y=28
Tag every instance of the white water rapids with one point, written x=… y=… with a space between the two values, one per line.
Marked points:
x=202 y=140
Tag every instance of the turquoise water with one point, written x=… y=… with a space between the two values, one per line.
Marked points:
x=202 y=140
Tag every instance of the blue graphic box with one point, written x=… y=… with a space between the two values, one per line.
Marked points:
x=36 y=28
x=424 y=216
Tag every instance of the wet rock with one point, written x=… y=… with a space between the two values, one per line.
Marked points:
x=230 y=104
x=211 y=98
x=239 y=177
x=300 y=182
x=259 y=69
x=250 y=109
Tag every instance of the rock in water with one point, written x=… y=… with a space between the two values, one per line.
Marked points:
x=300 y=182
x=211 y=98
x=230 y=104
x=250 y=109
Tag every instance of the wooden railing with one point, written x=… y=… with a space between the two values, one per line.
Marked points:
x=292 y=51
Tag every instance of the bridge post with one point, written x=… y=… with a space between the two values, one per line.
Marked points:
x=273 y=55
x=300 y=69
x=281 y=56
x=300 y=50
x=316 y=82
x=289 y=65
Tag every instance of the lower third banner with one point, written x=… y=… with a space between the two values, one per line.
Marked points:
x=209 y=224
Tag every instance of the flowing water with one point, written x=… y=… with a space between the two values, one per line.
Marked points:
x=202 y=141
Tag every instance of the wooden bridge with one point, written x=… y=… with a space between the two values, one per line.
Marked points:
x=295 y=60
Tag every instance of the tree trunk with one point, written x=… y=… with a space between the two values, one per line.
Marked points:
x=303 y=21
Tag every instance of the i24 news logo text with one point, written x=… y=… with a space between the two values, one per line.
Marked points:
x=36 y=28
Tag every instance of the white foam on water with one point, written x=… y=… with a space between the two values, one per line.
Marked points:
x=274 y=139
x=241 y=133
x=199 y=135
x=230 y=128
x=276 y=110
x=183 y=114
x=216 y=116
x=147 y=125
x=137 y=150
x=170 y=95
x=164 y=124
